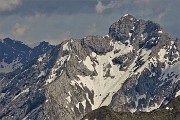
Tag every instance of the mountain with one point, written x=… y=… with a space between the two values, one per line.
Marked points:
x=134 y=68
x=15 y=54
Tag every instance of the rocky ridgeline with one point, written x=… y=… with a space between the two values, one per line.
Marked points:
x=15 y=54
x=134 y=68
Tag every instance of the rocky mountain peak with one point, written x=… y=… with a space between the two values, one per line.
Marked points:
x=140 y=33
x=123 y=28
x=44 y=43
x=135 y=68
x=10 y=41
x=128 y=17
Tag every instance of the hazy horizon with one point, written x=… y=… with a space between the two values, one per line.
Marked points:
x=54 y=21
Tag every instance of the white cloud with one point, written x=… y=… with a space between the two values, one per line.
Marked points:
x=19 y=30
x=100 y=7
x=7 y=5
x=161 y=15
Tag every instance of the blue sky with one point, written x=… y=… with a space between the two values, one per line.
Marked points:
x=32 y=21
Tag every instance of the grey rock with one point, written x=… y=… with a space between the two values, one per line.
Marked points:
x=138 y=71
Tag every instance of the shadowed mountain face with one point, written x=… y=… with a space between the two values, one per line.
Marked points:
x=15 y=54
x=169 y=112
x=134 y=68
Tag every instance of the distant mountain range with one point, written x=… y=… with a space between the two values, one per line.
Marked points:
x=15 y=54
x=133 y=69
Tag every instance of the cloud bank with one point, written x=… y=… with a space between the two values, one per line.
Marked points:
x=57 y=20
x=8 y=5
x=19 y=30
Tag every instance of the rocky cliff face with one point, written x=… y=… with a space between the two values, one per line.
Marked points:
x=134 y=68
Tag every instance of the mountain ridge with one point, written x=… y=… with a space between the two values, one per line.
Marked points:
x=135 y=68
x=14 y=54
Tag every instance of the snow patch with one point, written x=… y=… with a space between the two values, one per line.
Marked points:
x=161 y=54
x=160 y=31
x=149 y=109
x=125 y=15
x=111 y=43
x=106 y=35
x=167 y=108
x=53 y=74
x=173 y=71
x=40 y=59
x=41 y=74
x=24 y=91
x=104 y=87
x=2 y=95
x=138 y=97
x=88 y=63
x=177 y=93
x=68 y=99
x=123 y=48
x=145 y=56
x=144 y=36
x=83 y=103
x=6 y=68
x=69 y=93
x=65 y=47
x=52 y=77
x=93 y=54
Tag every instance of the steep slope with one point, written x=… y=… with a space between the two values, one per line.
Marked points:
x=155 y=76
x=22 y=91
x=139 y=72
x=15 y=54
x=134 y=68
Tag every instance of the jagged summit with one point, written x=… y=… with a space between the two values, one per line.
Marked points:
x=128 y=17
x=139 y=33
x=10 y=41
x=125 y=15
x=14 y=54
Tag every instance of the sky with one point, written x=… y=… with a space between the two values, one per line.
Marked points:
x=32 y=21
